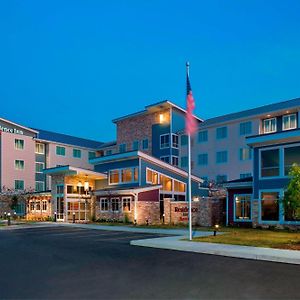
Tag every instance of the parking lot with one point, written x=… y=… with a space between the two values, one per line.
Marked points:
x=65 y=262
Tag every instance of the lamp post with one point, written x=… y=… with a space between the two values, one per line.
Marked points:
x=8 y=219
x=86 y=189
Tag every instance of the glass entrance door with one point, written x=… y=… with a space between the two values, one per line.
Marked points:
x=60 y=203
x=79 y=208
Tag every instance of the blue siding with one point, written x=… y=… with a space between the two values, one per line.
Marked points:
x=178 y=120
x=105 y=167
x=157 y=130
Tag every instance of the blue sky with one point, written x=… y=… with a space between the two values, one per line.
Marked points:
x=73 y=66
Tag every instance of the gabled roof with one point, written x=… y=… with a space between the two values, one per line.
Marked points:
x=154 y=107
x=67 y=139
x=253 y=112
x=108 y=144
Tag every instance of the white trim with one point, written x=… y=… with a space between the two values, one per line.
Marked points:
x=17 y=169
x=126 y=191
x=23 y=144
x=37 y=143
x=269 y=119
x=289 y=115
x=100 y=205
x=174 y=134
x=122 y=201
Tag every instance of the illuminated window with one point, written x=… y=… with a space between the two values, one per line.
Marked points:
x=179 y=186
x=44 y=205
x=243 y=207
x=152 y=177
x=166 y=183
x=39 y=148
x=114 y=176
x=126 y=175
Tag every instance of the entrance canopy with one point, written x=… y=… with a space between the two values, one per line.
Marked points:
x=72 y=171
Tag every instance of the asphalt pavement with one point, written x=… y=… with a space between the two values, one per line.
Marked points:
x=66 y=262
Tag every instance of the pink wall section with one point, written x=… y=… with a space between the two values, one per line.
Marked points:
x=8 y=156
x=53 y=160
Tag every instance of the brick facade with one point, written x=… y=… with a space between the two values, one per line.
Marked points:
x=139 y=128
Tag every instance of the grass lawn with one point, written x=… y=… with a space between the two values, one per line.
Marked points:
x=256 y=238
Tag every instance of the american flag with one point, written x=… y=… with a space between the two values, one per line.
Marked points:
x=190 y=121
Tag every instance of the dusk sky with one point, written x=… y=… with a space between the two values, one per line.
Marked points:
x=73 y=66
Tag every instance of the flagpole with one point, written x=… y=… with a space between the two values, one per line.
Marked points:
x=189 y=172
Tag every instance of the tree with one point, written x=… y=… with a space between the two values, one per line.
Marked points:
x=291 y=200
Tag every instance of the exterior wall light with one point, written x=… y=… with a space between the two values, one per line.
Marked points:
x=216 y=228
x=161 y=118
x=86 y=185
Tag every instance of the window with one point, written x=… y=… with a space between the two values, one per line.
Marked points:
x=175 y=140
x=126 y=204
x=145 y=144
x=39 y=167
x=59 y=189
x=76 y=153
x=44 y=205
x=242 y=207
x=31 y=205
x=115 y=204
x=203 y=159
x=291 y=156
x=38 y=205
x=104 y=204
x=39 y=148
x=19 y=164
x=60 y=151
x=19 y=184
x=164 y=141
x=221 y=179
x=135 y=145
x=269 y=160
x=184 y=140
x=179 y=186
x=166 y=159
x=289 y=122
x=184 y=162
x=270 y=206
x=269 y=125
x=152 y=177
x=19 y=144
x=92 y=154
x=108 y=152
x=39 y=186
x=245 y=153
x=221 y=133
x=122 y=148
x=175 y=161
x=114 y=176
x=245 y=175
x=166 y=183
x=202 y=136
x=245 y=128
x=127 y=175
x=221 y=157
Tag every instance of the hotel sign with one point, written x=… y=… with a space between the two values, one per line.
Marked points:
x=10 y=130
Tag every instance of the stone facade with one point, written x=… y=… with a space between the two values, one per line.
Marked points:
x=139 y=128
x=205 y=212
x=148 y=211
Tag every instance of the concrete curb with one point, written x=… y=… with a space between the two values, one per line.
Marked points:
x=246 y=252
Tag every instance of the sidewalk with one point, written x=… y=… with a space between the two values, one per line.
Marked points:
x=257 y=253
